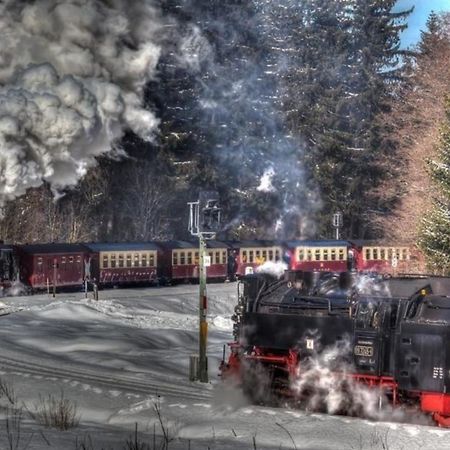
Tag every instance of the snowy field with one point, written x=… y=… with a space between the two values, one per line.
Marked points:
x=128 y=353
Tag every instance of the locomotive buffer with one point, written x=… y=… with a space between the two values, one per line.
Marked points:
x=204 y=222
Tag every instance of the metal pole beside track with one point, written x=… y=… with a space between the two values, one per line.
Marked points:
x=204 y=221
x=203 y=310
x=54 y=276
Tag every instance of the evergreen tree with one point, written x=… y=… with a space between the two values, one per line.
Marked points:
x=431 y=36
x=434 y=236
x=348 y=64
x=222 y=111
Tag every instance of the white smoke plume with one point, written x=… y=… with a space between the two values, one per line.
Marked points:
x=371 y=285
x=265 y=184
x=324 y=384
x=17 y=288
x=72 y=74
x=276 y=269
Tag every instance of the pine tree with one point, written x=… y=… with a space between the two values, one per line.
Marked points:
x=434 y=236
x=418 y=109
x=431 y=36
x=376 y=70
x=223 y=118
x=348 y=64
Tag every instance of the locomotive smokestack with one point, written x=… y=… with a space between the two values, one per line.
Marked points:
x=311 y=280
x=347 y=280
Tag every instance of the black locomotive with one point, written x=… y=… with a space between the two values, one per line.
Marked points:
x=390 y=334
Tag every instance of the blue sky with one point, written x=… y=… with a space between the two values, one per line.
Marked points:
x=417 y=19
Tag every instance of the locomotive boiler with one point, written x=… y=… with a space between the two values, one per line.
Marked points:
x=390 y=334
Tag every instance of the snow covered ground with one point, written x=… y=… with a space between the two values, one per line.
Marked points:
x=120 y=357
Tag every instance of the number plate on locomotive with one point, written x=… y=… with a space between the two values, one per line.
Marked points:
x=363 y=350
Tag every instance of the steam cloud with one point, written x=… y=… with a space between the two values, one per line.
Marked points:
x=324 y=385
x=72 y=74
x=276 y=269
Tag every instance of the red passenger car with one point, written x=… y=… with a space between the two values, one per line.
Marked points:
x=322 y=256
x=180 y=260
x=48 y=265
x=115 y=264
x=249 y=255
x=388 y=258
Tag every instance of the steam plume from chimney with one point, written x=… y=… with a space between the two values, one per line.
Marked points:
x=72 y=74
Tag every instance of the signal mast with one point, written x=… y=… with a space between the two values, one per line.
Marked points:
x=204 y=222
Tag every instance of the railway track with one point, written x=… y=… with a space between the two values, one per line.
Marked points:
x=126 y=384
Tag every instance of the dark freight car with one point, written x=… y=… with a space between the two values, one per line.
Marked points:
x=48 y=265
x=126 y=263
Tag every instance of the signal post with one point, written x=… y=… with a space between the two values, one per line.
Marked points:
x=204 y=222
x=203 y=310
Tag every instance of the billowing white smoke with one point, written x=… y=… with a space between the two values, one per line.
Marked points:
x=272 y=268
x=72 y=74
x=324 y=384
x=371 y=285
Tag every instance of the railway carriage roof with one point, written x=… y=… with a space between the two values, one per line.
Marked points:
x=253 y=243
x=364 y=243
x=53 y=248
x=316 y=243
x=186 y=245
x=122 y=246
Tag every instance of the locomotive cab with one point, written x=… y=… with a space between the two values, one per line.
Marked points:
x=422 y=357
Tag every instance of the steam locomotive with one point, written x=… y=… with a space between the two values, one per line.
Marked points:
x=389 y=334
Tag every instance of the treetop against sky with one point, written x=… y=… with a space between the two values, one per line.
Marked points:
x=417 y=20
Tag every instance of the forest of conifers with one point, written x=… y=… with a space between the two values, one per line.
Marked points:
x=291 y=111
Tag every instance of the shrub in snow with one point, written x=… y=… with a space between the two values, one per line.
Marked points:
x=54 y=412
